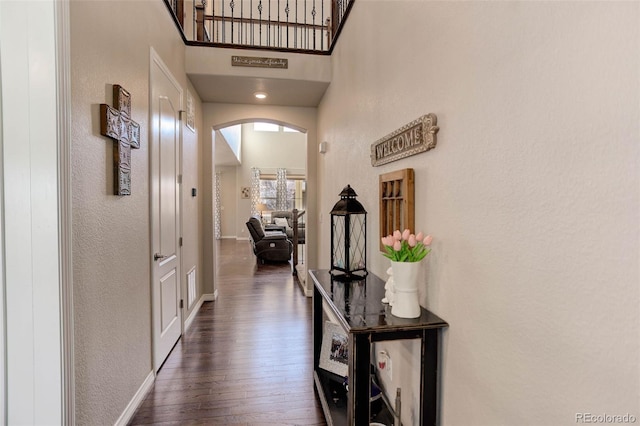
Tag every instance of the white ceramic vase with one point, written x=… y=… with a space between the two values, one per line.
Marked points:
x=405 y=287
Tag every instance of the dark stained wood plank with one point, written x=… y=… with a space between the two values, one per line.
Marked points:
x=247 y=358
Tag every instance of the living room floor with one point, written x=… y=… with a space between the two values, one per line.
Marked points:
x=247 y=357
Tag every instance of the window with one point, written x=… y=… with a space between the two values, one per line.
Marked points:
x=296 y=194
x=270 y=127
x=265 y=127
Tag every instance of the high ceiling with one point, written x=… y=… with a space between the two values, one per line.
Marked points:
x=301 y=84
x=241 y=90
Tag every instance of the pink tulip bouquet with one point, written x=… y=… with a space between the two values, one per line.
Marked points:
x=406 y=247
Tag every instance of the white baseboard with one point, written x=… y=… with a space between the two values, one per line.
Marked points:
x=207 y=297
x=135 y=402
x=242 y=238
x=301 y=272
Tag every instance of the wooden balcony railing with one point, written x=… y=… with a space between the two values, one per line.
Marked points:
x=309 y=26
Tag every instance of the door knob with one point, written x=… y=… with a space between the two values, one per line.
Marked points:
x=158 y=256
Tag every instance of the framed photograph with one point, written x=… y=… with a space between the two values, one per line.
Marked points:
x=334 y=351
x=191 y=114
x=245 y=192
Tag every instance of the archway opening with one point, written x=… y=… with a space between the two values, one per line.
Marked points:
x=260 y=170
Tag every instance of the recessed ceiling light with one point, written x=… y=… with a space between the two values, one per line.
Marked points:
x=260 y=95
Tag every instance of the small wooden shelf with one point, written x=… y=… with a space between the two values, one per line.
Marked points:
x=366 y=321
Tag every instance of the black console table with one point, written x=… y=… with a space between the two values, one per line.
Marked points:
x=360 y=312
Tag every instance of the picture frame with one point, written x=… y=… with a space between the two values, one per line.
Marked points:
x=334 y=350
x=245 y=192
x=191 y=115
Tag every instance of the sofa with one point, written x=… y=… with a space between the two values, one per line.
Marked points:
x=284 y=219
x=268 y=246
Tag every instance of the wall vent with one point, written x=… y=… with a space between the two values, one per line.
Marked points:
x=191 y=287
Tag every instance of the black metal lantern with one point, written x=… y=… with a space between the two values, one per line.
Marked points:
x=348 y=237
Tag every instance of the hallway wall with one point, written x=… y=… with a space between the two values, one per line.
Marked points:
x=228 y=201
x=532 y=194
x=110 y=44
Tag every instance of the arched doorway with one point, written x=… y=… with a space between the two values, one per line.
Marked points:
x=302 y=120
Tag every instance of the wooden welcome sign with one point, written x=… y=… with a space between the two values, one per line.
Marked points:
x=413 y=138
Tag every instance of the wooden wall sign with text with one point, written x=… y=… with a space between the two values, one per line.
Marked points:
x=413 y=138
x=252 y=61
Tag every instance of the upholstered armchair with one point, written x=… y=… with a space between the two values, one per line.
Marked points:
x=285 y=219
x=271 y=246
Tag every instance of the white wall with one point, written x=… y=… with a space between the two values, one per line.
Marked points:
x=233 y=135
x=112 y=299
x=192 y=205
x=229 y=199
x=531 y=194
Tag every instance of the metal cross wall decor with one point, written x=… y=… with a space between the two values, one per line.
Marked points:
x=116 y=123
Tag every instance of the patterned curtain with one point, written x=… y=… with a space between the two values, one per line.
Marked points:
x=255 y=191
x=218 y=213
x=281 y=190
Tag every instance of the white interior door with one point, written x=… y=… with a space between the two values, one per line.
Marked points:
x=166 y=103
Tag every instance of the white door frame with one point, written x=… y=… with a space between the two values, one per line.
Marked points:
x=157 y=60
x=37 y=337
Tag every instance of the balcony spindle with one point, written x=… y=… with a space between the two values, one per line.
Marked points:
x=322 y=22
x=251 y=19
x=260 y=23
x=295 y=29
x=232 y=5
x=241 y=25
x=223 y=22
x=286 y=11
x=313 y=14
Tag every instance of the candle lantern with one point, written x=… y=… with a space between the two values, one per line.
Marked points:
x=348 y=237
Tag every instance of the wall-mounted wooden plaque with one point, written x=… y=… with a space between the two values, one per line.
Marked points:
x=253 y=61
x=397 y=205
x=116 y=123
x=413 y=138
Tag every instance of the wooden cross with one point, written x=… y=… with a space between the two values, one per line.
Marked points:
x=116 y=123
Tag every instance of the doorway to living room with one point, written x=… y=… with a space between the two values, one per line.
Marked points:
x=260 y=171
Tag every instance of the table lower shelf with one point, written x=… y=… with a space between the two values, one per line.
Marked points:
x=333 y=398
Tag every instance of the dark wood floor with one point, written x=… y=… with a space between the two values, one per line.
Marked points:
x=246 y=359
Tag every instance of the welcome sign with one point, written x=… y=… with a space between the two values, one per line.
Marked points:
x=413 y=138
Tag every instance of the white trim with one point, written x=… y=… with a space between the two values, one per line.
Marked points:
x=228 y=237
x=135 y=402
x=301 y=271
x=156 y=61
x=62 y=31
x=243 y=238
x=207 y=297
x=3 y=329
x=32 y=310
